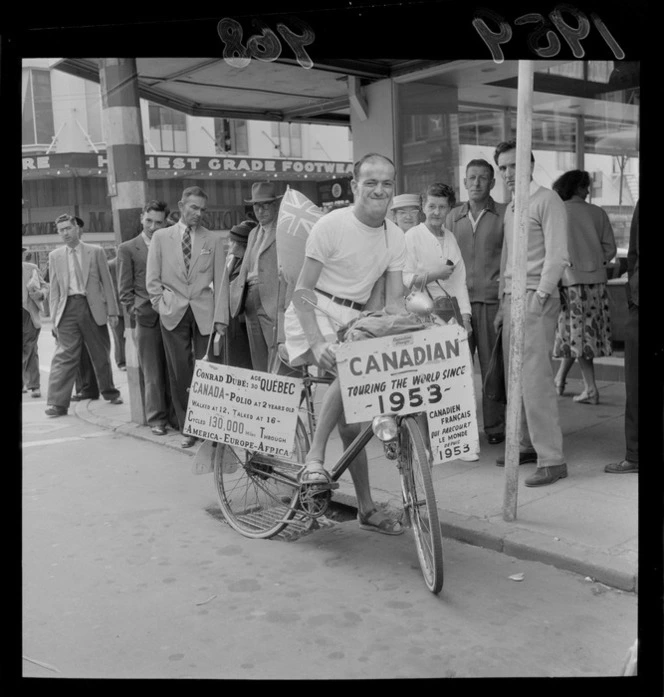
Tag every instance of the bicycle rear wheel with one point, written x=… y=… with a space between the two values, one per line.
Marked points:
x=258 y=497
x=420 y=503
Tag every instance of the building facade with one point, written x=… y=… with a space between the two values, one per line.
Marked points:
x=64 y=163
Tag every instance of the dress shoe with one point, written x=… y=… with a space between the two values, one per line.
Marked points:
x=36 y=393
x=622 y=467
x=547 y=475
x=116 y=400
x=55 y=411
x=159 y=430
x=188 y=441
x=524 y=459
x=495 y=438
x=79 y=397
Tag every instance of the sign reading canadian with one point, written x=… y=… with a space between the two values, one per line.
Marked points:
x=426 y=371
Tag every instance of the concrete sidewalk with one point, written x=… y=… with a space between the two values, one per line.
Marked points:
x=586 y=523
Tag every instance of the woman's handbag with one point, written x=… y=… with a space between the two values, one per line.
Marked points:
x=494 y=381
x=446 y=306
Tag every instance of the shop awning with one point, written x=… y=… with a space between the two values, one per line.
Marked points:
x=279 y=91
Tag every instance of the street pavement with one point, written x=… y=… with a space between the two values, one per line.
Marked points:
x=129 y=571
x=586 y=523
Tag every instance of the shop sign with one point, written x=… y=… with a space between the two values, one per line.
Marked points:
x=177 y=163
x=428 y=371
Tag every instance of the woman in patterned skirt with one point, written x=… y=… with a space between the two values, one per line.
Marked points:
x=584 y=323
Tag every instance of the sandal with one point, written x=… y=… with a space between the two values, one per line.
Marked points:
x=587 y=397
x=376 y=521
x=314 y=473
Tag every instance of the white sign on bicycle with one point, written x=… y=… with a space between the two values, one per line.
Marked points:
x=426 y=371
x=245 y=408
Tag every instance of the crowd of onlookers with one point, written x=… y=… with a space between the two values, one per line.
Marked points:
x=180 y=287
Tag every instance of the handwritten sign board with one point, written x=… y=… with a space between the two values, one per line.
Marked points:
x=245 y=408
x=428 y=371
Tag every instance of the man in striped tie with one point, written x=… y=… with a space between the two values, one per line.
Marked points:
x=184 y=262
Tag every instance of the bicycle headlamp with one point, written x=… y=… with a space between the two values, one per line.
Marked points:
x=384 y=427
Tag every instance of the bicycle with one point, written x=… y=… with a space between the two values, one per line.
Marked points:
x=260 y=495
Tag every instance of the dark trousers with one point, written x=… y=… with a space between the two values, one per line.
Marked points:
x=119 y=342
x=632 y=385
x=260 y=330
x=482 y=339
x=30 y=353
x=86 y=382
x=236 y=344
x=182 y=345
x=76 y=326
x=152 y=363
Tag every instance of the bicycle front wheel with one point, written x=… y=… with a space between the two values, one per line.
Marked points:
x=258 y=498
x=420 y=503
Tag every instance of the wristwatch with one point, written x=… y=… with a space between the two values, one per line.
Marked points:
x=542 y=295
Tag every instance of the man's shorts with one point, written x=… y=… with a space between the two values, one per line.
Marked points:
x=296 y=341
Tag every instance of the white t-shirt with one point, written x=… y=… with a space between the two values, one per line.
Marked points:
x=354 y=255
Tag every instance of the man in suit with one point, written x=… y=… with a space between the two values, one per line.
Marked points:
x=256 y=288
x=119 y=328
x=35 y=291
x=82 y=302
x=132 y=264
x=184 y=261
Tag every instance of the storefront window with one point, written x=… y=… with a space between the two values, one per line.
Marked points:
x=93 y=111
x=37 y=108
x=230 y=137
x=287 y=138
x=168 y=129
x=429 y=134
x=585 y=115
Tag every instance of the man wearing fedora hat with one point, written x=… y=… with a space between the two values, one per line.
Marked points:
x=406 y=210
x=256 y=288
x=236 y=341
x=184 y=262
x=35 y=291
x=82 y=303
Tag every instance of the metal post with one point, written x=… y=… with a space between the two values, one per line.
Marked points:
x=127 y=180
x=519 y=260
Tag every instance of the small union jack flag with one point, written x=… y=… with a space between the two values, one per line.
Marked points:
x=297 y=215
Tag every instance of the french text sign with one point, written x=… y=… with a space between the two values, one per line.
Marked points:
x=245 y=408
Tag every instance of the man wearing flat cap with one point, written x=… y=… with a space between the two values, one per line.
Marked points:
x=256 y=288
x=82 y=303
x=406 y=210
x=185 y=262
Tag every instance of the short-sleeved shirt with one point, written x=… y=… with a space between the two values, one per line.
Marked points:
x=354 y=255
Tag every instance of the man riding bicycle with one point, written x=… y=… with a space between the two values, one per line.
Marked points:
x=347 y=252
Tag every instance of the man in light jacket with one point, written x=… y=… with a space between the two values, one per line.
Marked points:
x=185 y=262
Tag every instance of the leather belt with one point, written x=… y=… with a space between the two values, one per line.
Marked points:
x=341 y=301
x=76 y=295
